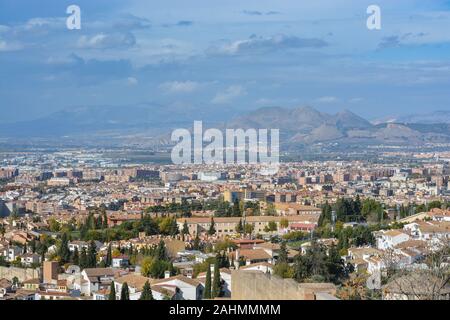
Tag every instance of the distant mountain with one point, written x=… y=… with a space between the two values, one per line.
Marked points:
x=305 y=125
x=106 y=120
x=424 y=118
x=152 y=124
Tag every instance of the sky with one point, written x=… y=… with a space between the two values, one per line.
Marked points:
x=225 y=55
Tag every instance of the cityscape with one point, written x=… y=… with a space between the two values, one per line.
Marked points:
x=180 y=154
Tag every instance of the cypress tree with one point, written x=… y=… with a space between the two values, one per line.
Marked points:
x=125 y=293
x=83 y=259
x=216 y=281
x=76 y=257
x=64 y=252
x=197 y=243
x=146 y=292
x=207 y=292
x=108 y=261
x=212 y=229
x=185 y=230
x=105 y=221
x=92 y=255
x=112 y=292
x=283 y=255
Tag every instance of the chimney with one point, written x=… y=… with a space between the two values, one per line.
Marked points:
x=167 y=274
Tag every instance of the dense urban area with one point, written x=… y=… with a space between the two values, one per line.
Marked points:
x=77 y=225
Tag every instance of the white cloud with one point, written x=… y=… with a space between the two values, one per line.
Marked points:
x=132 y=81
x=229 y=94
x=179 y=86
x=105 y=41
x=276 y=42
x=9 y=46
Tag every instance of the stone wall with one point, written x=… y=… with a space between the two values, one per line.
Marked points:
x=21 y=273
x=255 y=285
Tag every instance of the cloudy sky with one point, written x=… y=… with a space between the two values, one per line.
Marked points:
x=225 y=55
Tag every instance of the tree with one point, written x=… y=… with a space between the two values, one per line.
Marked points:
x=161 y=251
x=236 y=210
x=312 y=264
x=271 y=226
x=173 y=230
x=105 y=221
x=54 y=225
x=125 y=293
x=108 y=261
x=248 y=228
x=284 y=223
x=212 y=229
x=216 y=288
x=112 y=292
x=335 y=265
x=146 y=292
x=92 y=255
x=83 y=259
x=270 y=210
x=64 y=252
x=185 y=230
x=283 y=255
x=75 y=257
x=207 y=292
x=15 y=282
x=196 y=245
x=240 y=227
x=325 y=216
x=430 y=283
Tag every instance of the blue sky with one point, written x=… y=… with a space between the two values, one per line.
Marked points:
x=225 y=55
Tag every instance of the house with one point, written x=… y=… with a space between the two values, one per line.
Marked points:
x=225 y=279
x=5 y=287
x=52 y=295
x=22 y=294
x=31 y=285
x=439 y=215
x=59 y=286
x=273 y=249
x=263 y=267
x=411 y=251
x=429 y=230
x=102 y=294
x=11 y=253
x=188 y=289
x=136 y=284
x=390 y=238
x=79 y=245
x=251 y=256
x=95 y=279
x=29 y=259
x=121 y=261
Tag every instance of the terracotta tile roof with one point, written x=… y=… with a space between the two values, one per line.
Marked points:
x=133 y=280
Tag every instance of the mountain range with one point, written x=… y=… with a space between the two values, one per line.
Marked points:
x=440 y=116
x=306 y=125
x=298 y=126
